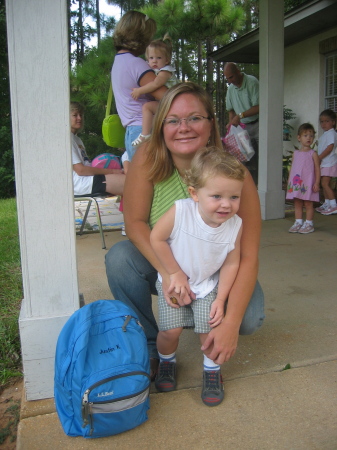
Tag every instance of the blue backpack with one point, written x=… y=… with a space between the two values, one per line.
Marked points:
x=102 y=371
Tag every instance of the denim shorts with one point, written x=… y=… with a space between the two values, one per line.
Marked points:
x=132 y=132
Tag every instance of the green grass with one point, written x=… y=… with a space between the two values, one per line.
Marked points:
x=10 y=430
x=10 y=293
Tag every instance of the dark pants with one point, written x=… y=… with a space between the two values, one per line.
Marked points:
x=253 y=164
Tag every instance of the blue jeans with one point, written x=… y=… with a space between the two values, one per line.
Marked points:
x=132 y=280
x=131 y=133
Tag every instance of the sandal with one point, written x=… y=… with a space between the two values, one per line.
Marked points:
x=140 y=139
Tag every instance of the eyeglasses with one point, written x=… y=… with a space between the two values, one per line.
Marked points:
x=191 y=121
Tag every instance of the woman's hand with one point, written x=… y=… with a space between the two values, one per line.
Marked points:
x=221 y=342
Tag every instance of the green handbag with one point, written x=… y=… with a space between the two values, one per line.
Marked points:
x=112 y=129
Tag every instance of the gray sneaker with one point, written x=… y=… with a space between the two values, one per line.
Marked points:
x=166 y=377
x=212 y=392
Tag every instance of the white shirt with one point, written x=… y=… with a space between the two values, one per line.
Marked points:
x=327 y=138
x=82 y=184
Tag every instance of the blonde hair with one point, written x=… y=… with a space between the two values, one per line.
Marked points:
x=77 y=107
x=210 y=162
x=134 y=32
x=162 y=45
x=158 y=156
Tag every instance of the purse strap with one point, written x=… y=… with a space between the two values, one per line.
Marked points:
x=108 y=105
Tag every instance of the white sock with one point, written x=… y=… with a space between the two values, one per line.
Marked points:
x=333 y=203
x=309 y=222
x=300 y=221
x=210 y=365
x=168 y=358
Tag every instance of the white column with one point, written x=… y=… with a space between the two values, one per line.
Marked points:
x=271 y=35
x=39 y=81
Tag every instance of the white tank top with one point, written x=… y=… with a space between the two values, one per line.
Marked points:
x=199 y=249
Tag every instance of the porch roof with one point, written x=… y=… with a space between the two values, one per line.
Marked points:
x=302 y=22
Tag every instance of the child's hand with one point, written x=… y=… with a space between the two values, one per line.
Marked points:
x=180 y=289
x=217 y=313
x=135 y=93
x=315 y=187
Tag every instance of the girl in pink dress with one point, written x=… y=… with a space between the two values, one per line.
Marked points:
x=303 y=182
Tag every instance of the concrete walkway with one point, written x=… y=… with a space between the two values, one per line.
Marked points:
x=265 y=407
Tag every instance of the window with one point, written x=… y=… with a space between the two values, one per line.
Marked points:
x=331 y=82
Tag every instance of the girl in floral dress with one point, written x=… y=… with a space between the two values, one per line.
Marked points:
x=303 y=182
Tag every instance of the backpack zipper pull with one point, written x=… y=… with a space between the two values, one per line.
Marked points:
x=85 y=408
x=125 y=324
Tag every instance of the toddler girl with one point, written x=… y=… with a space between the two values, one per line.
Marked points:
x=328 y=159
x=303 y=182
x=158 y=55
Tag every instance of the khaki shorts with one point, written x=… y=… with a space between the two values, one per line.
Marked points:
x=195 y=315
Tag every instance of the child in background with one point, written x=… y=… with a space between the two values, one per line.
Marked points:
x=328 y=159
x=125 y=164
x=125 y=161
x=158 y=55
x=198 y=243
x=303 y=182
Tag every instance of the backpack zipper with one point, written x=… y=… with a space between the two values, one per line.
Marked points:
x=87 y=406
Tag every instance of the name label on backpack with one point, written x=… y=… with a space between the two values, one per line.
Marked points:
x=110 y=349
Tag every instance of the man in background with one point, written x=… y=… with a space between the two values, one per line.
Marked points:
x=242 y=104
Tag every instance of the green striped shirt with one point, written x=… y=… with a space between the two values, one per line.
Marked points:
x=165 y=194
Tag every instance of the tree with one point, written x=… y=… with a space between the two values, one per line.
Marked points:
x=128 y=5
x=202 y=24
x=217 y=20
x=98 y=23
x=290 y=4
x=7 y=186
x=251 y=11
x=89 y=85
x=80 y=31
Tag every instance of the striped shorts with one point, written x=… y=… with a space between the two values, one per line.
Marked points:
x=195 y=315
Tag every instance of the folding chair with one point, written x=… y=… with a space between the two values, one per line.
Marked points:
x=91 y=198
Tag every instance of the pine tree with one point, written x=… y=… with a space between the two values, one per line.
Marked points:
x=89 y=85
x=7 y=186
